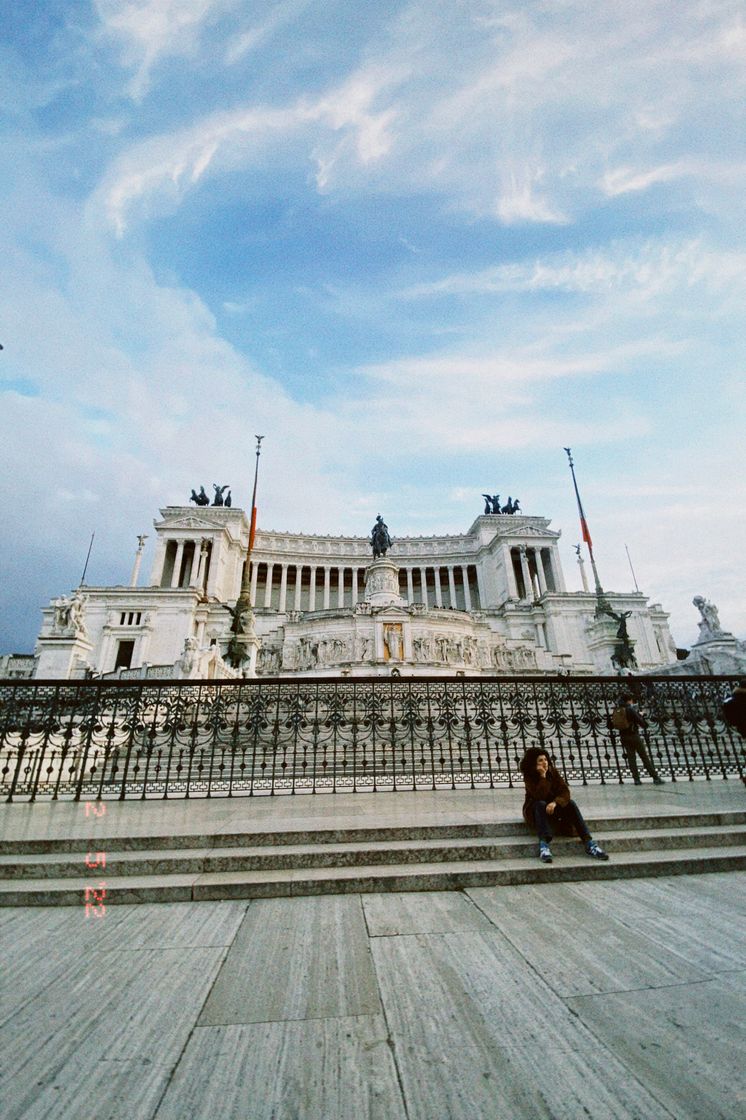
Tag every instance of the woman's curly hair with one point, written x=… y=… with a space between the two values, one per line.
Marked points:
x=528 y=762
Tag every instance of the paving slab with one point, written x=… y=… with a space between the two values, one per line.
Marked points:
x=390 y=915
x=600 y=952
x=478 y=1035
x=317 y=1069
x=686 y=1043
x=710 y=938
x=305 y=958
x=104 y=1006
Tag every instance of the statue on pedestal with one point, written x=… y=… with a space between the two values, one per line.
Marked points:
x=379 y=537
x=709 y=624
x=623 y=656
x=69 y=615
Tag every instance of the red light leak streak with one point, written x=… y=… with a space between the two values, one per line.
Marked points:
x=95 y=908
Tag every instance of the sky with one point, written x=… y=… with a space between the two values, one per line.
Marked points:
x=420 y=247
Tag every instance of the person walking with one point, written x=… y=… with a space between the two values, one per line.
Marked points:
x=549 y=802
x=734 y=709
x=628 y=722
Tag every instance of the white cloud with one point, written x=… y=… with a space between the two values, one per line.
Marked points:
x=622 y=180
x=644 y=267
x=151 y=30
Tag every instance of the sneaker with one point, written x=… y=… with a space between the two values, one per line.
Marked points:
x=658 y=781
x=545 y=852
x=595 y=850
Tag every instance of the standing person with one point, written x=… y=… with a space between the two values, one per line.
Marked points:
x=548 y=798
x=628 y=721
x=734 y=709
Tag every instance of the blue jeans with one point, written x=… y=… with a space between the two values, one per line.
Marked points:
x=569 y=814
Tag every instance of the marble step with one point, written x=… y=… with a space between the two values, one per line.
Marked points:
x=571 y=865
x=182 y=861
x=256 y=837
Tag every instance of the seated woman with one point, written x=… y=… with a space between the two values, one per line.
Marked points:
x=548 y=798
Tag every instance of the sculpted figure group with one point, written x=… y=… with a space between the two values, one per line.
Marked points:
x=69 y=614
x=709 y=623
x=202 y=499
x=492 y=504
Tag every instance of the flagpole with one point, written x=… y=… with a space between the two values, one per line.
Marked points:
x=602 y=605
x=244 y=599
x=243 y=639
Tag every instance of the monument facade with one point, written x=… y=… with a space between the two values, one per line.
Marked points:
x=492 y=600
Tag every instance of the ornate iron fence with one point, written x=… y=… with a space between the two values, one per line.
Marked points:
x=162 y=739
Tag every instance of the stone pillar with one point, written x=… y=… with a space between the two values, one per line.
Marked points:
x=354 y=586
x=410 y=586
x=467 y=591
x=298 y=586
x=312 y=590
x=177 y=564
x=341 y=587
x=524 y=570
x=480 y=587
x=283 y=588
x=539 y=561
x=138 y=560
x=268 y=587
x=556 y=570
x=509 y=573
x=438 y=591
x=254 y=579
x=423 y=581
x=327 y=586
x=451 y=585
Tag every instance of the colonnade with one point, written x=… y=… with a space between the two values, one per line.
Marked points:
x=530 y=572
x=313 y=587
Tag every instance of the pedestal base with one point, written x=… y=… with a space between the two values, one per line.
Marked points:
x=61 y=656
x=382 y=584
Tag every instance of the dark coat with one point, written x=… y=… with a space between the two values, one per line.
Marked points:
x=737 y=710
x=552 y=788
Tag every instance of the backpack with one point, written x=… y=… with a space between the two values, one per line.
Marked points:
x=620 y=720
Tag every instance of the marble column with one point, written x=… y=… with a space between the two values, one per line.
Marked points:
x=341 y=587
x=467 y=590
x=525 y=572
x=312 y=590
x=452 y=586
x=327 y=586
x=480 y=587
x=539 y=561
x=283 y=588
x=438 y=590
x=509 y=572
x=423 y=581
x=268 y=587
x=298 y=586
x=410 y=586
x=177 y=564
x=254 y=579
x=354 y=586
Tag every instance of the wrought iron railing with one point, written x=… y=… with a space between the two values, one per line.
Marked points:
x=164 y=739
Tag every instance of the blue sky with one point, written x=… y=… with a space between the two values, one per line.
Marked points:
x=419 y=246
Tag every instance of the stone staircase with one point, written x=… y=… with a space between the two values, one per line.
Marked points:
x=275 y=862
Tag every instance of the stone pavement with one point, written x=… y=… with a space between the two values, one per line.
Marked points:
x=618 y=999
x=49 y=819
